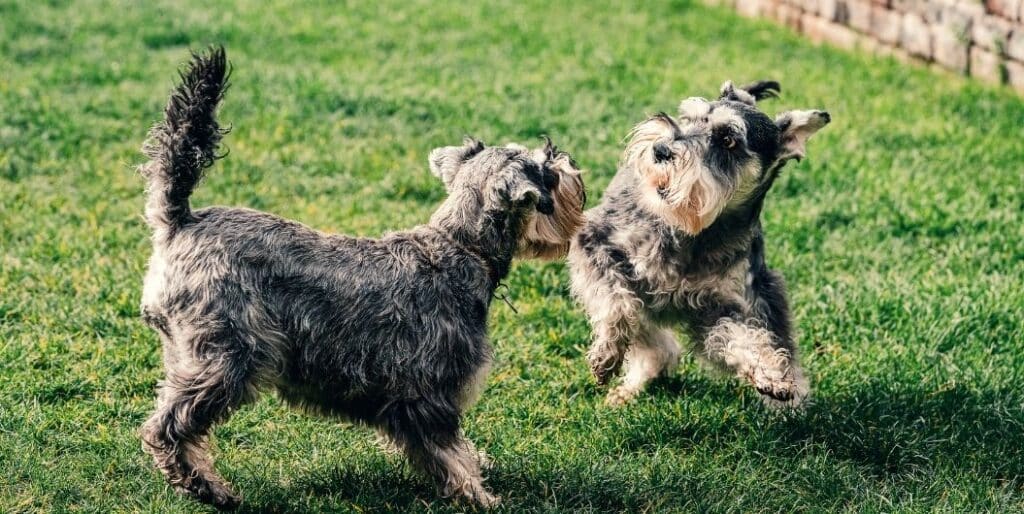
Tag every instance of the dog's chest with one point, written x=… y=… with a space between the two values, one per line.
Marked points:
x=670 y=277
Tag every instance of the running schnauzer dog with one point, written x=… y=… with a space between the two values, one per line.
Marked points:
x=388 y=332
x=678 y=240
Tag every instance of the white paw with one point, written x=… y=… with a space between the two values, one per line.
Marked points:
x=620 y=396
x=485 y=461
x=786 y=391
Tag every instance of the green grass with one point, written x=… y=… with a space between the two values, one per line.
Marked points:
x=901 y=238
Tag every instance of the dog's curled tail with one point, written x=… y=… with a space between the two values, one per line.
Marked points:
x=185 y=142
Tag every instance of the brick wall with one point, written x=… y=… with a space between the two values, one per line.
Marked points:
x=984 y=39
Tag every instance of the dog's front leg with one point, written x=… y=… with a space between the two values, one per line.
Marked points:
x=754 y=353
x=654 y=352
x=616 y=321
x=608 y=349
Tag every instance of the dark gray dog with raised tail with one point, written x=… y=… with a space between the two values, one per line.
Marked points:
x=388 y=332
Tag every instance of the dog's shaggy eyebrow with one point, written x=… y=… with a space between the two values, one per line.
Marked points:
x=665 y=118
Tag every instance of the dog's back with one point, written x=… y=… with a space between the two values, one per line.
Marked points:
x=343 y=314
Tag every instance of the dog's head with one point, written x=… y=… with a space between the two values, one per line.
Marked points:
x=717 y=154
x=541 y=188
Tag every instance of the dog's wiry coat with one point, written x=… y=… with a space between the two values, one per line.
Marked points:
x=677 y=241
x=389 y=332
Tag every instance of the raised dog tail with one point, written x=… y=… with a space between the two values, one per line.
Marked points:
x=185 y=142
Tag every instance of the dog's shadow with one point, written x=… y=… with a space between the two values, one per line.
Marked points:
x=887 y=429
x=400 y=490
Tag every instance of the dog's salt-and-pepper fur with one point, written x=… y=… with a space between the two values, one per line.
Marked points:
x=677 y=242
x=388 y=332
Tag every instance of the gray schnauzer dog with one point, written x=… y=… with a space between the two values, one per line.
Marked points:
x=677 y=240
x=389 y=332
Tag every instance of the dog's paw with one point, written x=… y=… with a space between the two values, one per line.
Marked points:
x=620 y=396
x=781 y=390
x=480 y=498
x=214 y=493
x=487 y=500
x=387 y=445
x=604 y=365
x=485 y=461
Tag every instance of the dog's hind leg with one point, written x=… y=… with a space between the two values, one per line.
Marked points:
x=429 y=434
x=655 y=351
x=197 y=393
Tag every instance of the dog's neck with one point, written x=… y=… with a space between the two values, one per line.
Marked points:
x=491 y=235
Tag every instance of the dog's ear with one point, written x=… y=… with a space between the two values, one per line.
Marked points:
x=795 y=128
x=568 y=186
x=750 y=93
x=763 y=89
x=554 y=159
x=445 y=161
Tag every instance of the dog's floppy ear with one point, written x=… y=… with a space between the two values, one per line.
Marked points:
x=750 y=93
x=569 y=182
x=445 y=161
x=560 y=162
x=554 y=159
x=796 y=127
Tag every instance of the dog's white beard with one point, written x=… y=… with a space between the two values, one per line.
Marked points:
x=682 y=192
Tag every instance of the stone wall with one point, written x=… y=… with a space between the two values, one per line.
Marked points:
x=981 y=39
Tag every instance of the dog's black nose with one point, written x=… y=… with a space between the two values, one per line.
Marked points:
x=827 y=116
x=661 y=152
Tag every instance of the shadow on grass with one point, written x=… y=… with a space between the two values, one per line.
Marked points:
x=893 y=429
x=889 y=430
x=395 y=489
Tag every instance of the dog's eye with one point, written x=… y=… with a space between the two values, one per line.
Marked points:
x=728 y=142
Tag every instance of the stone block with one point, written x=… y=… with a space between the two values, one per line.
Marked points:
x=750 y=8
x=886 y=24
x=970 y=8
x=1015 y=75
x=1015 y=45
x=931 y=11
x=834 y=11
x=808 y=6
x=860 y=15
x=958 y=21
x=820 y=30
x=788 y=15
x=894 y=52
x=906 y=5
x=770 y=8
x=916 y=36
x=986 y=66
x=1007 y=9
x=950 y=50
x=991 y=33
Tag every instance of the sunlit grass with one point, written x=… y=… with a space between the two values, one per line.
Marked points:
x=901 y=238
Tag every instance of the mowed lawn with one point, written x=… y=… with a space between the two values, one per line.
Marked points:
x=901 y=237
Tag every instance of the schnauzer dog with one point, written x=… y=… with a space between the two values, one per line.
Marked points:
x=389 y=332
x=678 y=239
